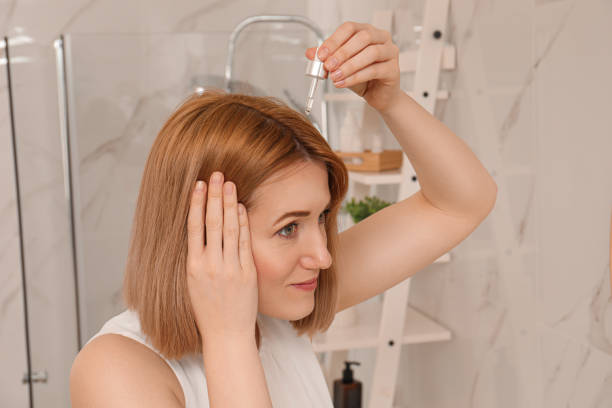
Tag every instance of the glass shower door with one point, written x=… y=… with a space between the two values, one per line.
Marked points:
x=84 y=128
x=120 y=90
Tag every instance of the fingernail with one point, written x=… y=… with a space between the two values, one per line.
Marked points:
x=199 y=185
x=331 y=63
x=339 y=83
x=335 y=76
x=216 y=178
x=228 y=188
x=323 y=52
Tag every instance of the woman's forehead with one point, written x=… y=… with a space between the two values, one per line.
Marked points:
x=301 y=185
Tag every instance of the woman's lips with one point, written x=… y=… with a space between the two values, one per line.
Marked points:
x=306 y=282
x=310 y=285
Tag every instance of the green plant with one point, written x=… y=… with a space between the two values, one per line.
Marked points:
x=362 y=209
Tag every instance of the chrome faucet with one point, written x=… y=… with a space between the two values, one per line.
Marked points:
x=277 y=19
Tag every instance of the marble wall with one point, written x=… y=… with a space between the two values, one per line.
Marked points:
x=527 y=295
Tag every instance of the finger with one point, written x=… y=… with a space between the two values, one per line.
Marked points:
x=342 y=33
x=371 y=54
x=230 y=225
x=214 y=217
x=310 y=53
x=195 y=225
x=364 y=37
x=372 y=71
x=244 y=242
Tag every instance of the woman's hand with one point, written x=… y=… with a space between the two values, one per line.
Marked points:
x=362 y=58
x=222 y=280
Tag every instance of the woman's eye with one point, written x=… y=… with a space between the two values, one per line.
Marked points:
x=293 y=224
x=325 y=214
x=286 y=228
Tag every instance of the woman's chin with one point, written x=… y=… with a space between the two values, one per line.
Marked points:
x=293 y=312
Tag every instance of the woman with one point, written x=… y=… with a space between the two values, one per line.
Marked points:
x=215 y=317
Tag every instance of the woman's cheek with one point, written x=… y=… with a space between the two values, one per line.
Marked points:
x=263 y=257
x=274 y=259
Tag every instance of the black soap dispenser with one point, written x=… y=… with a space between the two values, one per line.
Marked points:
x=347 y=391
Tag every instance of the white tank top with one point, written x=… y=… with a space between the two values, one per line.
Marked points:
x=292 y=370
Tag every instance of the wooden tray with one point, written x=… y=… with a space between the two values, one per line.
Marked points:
x=368 y=161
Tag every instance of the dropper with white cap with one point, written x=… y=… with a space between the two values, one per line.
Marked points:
x=316 y=71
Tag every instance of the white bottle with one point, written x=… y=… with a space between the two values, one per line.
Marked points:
x=350 y=139
x=377 y=143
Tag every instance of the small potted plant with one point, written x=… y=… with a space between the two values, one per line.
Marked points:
x=362 y=209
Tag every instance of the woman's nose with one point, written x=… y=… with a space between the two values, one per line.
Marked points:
x=318 y=256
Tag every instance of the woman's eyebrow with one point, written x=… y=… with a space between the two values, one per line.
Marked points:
x=302 y=213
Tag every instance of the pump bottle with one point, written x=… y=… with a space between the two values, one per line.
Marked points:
x=347 y=391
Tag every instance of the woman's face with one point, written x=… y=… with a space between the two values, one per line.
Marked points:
x=292 y=249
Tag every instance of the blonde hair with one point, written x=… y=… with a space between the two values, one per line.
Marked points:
x=248 y=139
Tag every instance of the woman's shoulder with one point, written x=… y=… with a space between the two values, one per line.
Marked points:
x=116 y=370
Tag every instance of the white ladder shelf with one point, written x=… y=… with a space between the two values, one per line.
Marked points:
x=388 y=326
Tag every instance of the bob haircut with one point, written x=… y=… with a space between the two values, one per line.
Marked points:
x=248 y=139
